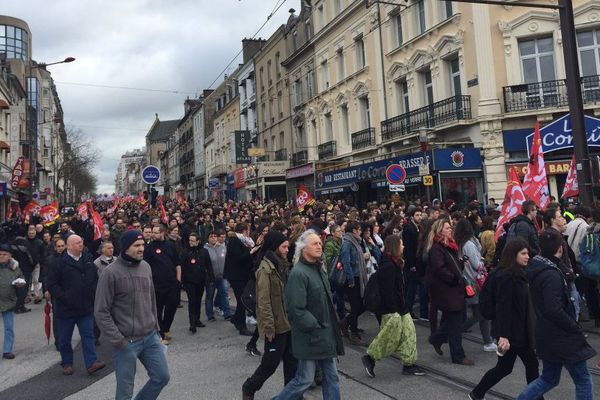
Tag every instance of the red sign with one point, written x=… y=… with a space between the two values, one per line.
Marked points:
x=17 y=172
x=395 y=174
x=239 y=178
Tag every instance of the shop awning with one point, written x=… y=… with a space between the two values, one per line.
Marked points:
x=4 y=145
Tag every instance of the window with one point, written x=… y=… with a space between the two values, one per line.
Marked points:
x=300 y=135
x=341 y=64
x=455 y=77
x=589 y=55
x=328 y=128
x=447 y=10
x=307 y=27
x=321 y=15
x=365 y=114
x=397 y=26
x=269 y=75
x=14 y=42
x=278 y=65
x=324 y=75
x=361 y=60
x=281 y=140
x=421 y=25
x=280 y=104
x=427 y=87
x=271 y=111
x=297 y=88
x=261 y=78
x=310 y=79
x=403 y=103
x=537 y=61
x=264 y=114
x=345 y=123
x=337 y=7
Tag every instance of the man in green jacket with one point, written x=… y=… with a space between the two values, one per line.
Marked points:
x=316 y=338
x=11 y=278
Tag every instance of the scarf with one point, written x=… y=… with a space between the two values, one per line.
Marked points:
x=450 y=244
x=362 y=266
x=281 y=265
x=130 y=260
x=247 y=241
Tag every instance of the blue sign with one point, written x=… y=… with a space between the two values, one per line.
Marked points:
x=373 y=171
x=395 y=174
x=558 y=134
x=456 y=159
x=214 y=184
x=150 y=175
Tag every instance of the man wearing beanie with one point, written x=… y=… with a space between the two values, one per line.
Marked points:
x=125 y=312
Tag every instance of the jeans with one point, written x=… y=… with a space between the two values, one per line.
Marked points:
x=504 y=367
x=277 y=350
x=150 y=352
x=576 y=299
x=194 y=291
x=485 y=326
x=166 y=306
x=9 y=331
x=305 y=375
x=551 y=377
x=85 y=325
x=239 y=318
x=221 y=286
x=450 y=331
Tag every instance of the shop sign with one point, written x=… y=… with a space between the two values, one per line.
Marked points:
x=456 y=159
x=558 y=134
x=299 y=172
x=272 y=168
x=242 y=143
x=239 y=180
x=230 y=179
x=552 y=168
x=371 y=171
x=214 y=183
x=428 y=180
x=249 y=173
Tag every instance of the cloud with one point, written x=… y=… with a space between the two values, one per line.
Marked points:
x=180 y=45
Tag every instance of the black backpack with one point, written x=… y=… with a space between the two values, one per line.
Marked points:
x=487 y=297
x=372 y=295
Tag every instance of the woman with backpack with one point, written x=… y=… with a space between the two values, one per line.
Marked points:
x=469 y=250
x=397 y=330
x=514 y=320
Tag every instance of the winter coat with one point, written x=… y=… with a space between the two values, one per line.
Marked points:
x=446 y=283
x=471 y=249
x=309 y=304
x=270 y=309
x=515 y=318
x=391 y=287
x=73 y=285
x=196 y=266
x=410 y=237
x=353 y=260
x=332 y=248
x=8 y=292
x=217 y=258
x=559 y=338
x=25 y=254
x=102 y=262
x=523 y=227
x=238 y=261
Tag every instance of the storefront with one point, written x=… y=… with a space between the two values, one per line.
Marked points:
x=266 y=180
x=458 y=175
x=294 y=177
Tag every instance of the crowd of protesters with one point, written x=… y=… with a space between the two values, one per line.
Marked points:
x=124 y=281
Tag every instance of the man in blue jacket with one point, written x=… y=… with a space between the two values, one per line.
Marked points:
x=72 y=283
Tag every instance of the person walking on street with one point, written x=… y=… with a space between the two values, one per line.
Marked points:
x=515 y=319
x=560 y=341
x=525 y=226
x=26 y=255
x=196 y=274
x=217 y=251
x=72 y=283
x=166 y=274
x=332 y=249
x=273 y=324
x=125 y=310
x=9 y=274
x=414 y=283
x=397 y=332
x=316 y=339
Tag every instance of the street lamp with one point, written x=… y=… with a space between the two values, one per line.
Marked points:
x=44 y=65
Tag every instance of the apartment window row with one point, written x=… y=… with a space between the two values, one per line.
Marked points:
x=419 y=16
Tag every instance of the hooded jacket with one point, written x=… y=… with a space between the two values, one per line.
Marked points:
x=217 y=255
x=558 y=336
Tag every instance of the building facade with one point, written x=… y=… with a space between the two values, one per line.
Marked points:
x=202 y=120
x=129 y=173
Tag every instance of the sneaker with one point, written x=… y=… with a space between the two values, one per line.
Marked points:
x=412 y=370
x=490 y=348
x=166 y=342
x=369 y=365
x=8 y=356
x=250 y=320
x=253 y=351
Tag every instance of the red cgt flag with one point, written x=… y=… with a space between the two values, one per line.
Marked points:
x=98 y=224
x=82 y=210
x=535 y=183
x=513 y=199
x=50 y=213
x=571 y=185
x=163 y=212
x=304 y=198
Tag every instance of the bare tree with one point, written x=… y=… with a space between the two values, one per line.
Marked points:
x=79 y=157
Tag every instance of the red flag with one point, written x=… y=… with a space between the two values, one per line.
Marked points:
x=571 y=185
x=50 y=213
x=513 y=199
x=163 y=212
x=32 y=208
x=535 y=183
x=181 y=201
x=82 y=210
x=304 y=198
x=98 y=224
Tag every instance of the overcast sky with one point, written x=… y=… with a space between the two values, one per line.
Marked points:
x=176 y=45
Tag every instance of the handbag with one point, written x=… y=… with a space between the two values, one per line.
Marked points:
x=482 y=275
x=469 y=289
x=335 y=272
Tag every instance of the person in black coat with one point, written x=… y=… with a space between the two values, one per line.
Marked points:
x=410 y=237
x=524 y=226
x=72 y=281
x=559 y=338
x=27 y=257
x=238 y=268
x=196 y=272
x=514 y=323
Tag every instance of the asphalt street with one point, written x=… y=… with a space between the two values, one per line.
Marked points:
x=213 y=364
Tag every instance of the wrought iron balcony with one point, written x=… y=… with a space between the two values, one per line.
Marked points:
x=327 y=149
x=546 y=94
x=364 y=138
x=281 y=155
x=300 y=157
x=451 y=109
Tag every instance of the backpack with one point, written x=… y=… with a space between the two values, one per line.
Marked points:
x=249 y=297
x=372 y=295
x=589 y=255
x=487 y=297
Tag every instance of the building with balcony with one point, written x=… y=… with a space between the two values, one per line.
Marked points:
x=157 y=137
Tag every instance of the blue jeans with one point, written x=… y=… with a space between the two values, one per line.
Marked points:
x=150 y=352
x=9 y=333
x=576 y=299
x=221 y=286
x=85 y=325
x=551 y=377
x=305 y=375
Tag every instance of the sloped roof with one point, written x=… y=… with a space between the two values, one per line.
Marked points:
x=162 y=130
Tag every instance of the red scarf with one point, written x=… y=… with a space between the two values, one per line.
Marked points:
x=450 y=243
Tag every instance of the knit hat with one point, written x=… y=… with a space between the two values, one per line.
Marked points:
x=130 y=237
x=273 y=240
x=6 y=248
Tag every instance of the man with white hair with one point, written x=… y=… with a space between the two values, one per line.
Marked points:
x=72 y=283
